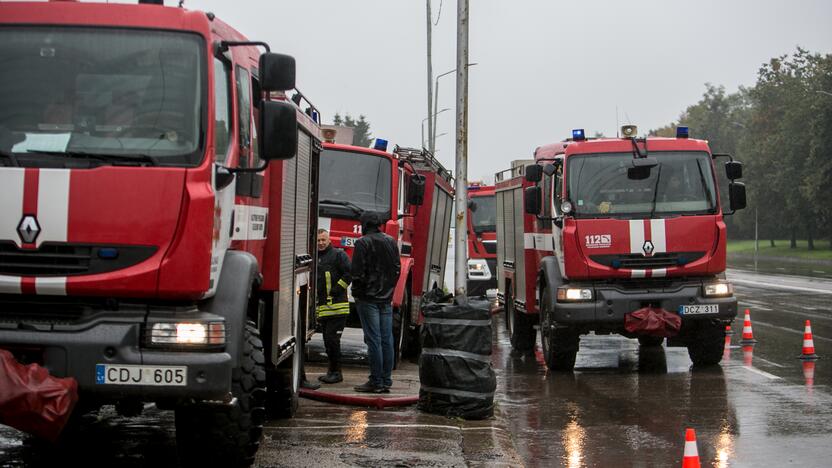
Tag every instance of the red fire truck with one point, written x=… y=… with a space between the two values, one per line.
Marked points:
x=482 y=240
x=414 y=193
x=157 y=214
x=607 y=235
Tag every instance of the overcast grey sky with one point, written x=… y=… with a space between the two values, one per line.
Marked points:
x=545 y=67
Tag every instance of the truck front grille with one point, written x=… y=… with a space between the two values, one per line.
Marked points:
x=63 y=259
x=640 y=262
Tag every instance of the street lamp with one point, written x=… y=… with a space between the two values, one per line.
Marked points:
x=436 y=104
x=426 y=118
x=437 y=136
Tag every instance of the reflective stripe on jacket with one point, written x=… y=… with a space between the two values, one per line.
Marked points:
x=333 y=281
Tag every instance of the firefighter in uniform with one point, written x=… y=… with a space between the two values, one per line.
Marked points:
x=333 y=308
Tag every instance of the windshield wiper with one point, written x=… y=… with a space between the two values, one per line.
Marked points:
x=656 y=192
x=141 y=158
x=11 y=156
x=355 y=208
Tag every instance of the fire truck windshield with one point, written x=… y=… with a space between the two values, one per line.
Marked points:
x=359 y=179
x=484 y=218
x=681 y=184
x=102 y=94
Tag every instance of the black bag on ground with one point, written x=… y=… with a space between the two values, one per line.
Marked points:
x=455 y=365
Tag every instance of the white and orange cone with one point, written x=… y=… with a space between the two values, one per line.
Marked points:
x=728 y=330
x=691 y=458
x=747 y=333
x=808 y=344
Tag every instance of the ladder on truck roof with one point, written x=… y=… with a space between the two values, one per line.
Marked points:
x=422 y=159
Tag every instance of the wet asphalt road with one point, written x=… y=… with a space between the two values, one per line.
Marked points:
x=623 y=406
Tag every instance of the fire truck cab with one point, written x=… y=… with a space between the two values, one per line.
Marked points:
x=482 y=241
x=157 y=212
x=605 y=235
x=414 y=193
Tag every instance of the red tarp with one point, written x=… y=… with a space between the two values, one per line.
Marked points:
x=33 y=401
x=653 y=322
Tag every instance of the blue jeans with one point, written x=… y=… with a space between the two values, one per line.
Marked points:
x=377 y=323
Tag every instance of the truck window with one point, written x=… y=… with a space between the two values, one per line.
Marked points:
x=682 y=183
x=108 y=91
x=558 y=195
x=351 y=182
x=255 y=93
x=484 y=218
x=222 y=109
x=244 y=113
x=547 y=202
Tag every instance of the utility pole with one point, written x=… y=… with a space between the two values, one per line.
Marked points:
x=461 y=172
x=431 y=117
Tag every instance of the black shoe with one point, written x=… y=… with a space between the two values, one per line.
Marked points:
x=310 y=385
x=368 y=387
x=331 y=377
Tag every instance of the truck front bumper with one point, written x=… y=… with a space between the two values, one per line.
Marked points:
x=75 y=348
x=611 y=303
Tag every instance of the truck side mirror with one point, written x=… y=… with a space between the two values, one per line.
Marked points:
x=472 y=205
x=531 y=200
x=416 y=190
x=279 y=127
x=534 y=173
x=737 y=194
x=733 y=170
x=277 y=72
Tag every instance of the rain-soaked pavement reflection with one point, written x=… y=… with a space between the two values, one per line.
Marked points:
x=627 y=405
x=624 y=406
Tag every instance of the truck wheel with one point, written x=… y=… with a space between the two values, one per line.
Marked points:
x=650 y=340
x=559 y=345
x=520 y=328
x=228 y=436
x=401 y=330
x=707 y=344
x=282 y=396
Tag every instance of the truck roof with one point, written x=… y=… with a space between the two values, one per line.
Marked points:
x=617 y=145
x=104 y=14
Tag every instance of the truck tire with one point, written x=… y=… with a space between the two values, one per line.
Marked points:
x=650 y=340
x=559 y=345
x=707 y=344
x=401 y=329
x=520 y=328
x=228 y=436
x=282 y=398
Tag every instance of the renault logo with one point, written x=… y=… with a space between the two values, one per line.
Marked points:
x=28 y=229
x=648 y=248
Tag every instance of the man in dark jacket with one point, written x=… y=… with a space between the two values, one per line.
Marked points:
x=333 y=307
x=375 y=272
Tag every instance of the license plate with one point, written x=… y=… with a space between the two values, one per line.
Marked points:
x=348 y=241
x=699 y=309
x=141 y=375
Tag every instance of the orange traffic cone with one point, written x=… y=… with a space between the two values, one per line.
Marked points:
x=691 y=458
x=728 y=331
x=747 y=333
x=808 y=343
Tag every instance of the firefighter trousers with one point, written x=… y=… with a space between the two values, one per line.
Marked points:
x=332 y=327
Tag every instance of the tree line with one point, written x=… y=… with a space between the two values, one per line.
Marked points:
x=781 y=129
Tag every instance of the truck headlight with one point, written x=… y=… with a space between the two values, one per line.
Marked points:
x=719 y=290
x=188 y=333
x=478 y=269
x=574 y=294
